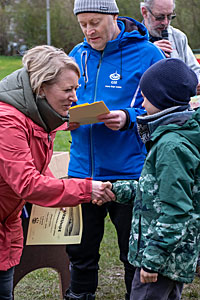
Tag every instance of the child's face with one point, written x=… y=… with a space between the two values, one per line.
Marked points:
x=150 y=108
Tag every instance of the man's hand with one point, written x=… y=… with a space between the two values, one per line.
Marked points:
x=101 y=192
x=146 y=277
x=164 y=45
x=114 y=120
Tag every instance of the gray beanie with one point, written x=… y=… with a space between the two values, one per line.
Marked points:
x=97 y=6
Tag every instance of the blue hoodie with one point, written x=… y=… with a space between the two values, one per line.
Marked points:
x=113 y=76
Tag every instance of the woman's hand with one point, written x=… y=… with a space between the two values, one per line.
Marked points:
x=101 y=192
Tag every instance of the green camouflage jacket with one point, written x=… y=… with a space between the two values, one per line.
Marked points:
x=165 y=229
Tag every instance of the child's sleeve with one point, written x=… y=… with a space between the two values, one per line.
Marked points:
x=125 y=191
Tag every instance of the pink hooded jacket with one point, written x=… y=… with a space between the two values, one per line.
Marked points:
x=25 y=152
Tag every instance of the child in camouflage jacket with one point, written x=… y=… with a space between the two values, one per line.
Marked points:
x=164 y=240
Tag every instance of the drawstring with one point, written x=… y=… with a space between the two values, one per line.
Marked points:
x=84 y=67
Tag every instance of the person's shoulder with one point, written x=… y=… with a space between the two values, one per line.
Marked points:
x=76 y=49
x=176 y=31
x=171 y=142
x=152 y=50
x=9 y=109
x=11 y=114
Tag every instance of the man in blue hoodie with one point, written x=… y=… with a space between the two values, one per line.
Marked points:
x=112 y=58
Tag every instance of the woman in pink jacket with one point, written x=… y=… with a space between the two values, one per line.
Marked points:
x=34 y=102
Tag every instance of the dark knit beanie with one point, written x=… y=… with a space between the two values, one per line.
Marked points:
x=169 y=82
x=97 y=6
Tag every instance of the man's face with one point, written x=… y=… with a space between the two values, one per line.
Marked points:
x=98 y=28
x=160 y=8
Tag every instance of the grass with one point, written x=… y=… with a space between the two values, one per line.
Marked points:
x=8 y=64
x=44 y=283
x=62 y=141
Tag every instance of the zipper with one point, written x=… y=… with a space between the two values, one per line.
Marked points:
x=47 y=156
x=97 y=77
x=139 y=237
x=95 y=95
x=49 y=138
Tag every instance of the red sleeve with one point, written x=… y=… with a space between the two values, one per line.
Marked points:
x=18 y=170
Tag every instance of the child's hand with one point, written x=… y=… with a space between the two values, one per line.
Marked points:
x=101 y=192
x=146 y=277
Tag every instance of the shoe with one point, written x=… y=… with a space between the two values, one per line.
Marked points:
x=69 y=295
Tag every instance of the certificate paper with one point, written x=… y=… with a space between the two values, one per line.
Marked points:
x=87 y=113
x=53 y=226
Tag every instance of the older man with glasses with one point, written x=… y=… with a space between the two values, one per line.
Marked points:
x=157 y=16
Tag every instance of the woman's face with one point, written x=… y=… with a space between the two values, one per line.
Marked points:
x=62 y=93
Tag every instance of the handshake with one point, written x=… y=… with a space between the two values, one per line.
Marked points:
x=101 y=192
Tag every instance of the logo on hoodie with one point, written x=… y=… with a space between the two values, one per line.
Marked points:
x=114 y=81
x=115 y=76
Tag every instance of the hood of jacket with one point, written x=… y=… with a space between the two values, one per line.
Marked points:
x=190 y=129
x=129 y=29
x=15 y=90
x=147 y=124
x=186 y=123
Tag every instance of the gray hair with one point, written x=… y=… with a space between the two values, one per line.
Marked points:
x=45 y=63
x=150 y=3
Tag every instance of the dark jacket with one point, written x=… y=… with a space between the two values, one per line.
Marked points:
x=165 y=233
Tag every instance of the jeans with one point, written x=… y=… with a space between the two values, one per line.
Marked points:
x=6 y=284
x=84 y=257
x=164 y=289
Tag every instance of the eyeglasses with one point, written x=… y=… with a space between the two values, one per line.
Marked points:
x=162 y=17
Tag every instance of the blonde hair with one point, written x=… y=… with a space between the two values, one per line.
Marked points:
x=45 y=63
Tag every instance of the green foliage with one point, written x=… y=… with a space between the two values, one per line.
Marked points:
x=30 y=23
x=28 y=19
x=130 y=8
x=65 y=30
x=188 y=21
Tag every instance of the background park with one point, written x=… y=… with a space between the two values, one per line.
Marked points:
x=24 y=22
